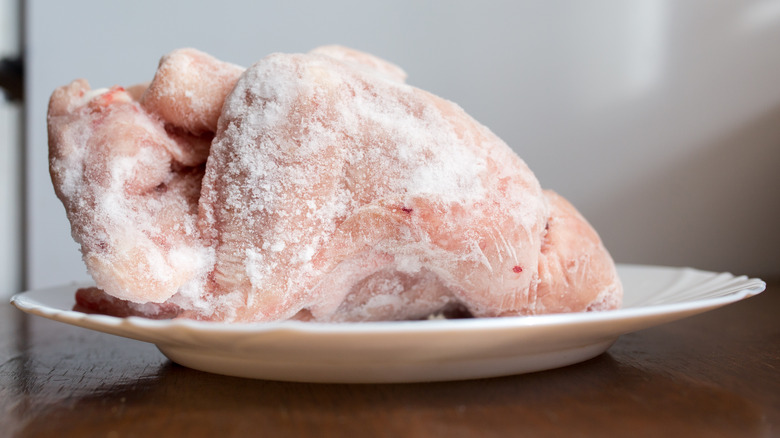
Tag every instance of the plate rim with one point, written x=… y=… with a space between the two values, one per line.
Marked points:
x=752 y=286
x=411 y=351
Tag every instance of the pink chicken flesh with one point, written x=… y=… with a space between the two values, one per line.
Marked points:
x=311 y=186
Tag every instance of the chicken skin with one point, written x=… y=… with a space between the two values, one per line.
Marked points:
x=331 y=191
x=129 y=174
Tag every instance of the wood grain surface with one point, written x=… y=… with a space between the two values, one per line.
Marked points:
x=715 y=375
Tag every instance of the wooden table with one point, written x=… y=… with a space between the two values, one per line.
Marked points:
x=716 y=374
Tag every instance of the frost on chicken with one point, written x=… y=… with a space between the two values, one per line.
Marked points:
x=331 y=191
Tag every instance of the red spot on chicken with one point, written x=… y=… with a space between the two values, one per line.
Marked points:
x=517 y=269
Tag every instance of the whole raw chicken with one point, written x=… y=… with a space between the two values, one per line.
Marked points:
x=311 y=186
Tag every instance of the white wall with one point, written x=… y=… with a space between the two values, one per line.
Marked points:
x=660 y=120
x=10 y=163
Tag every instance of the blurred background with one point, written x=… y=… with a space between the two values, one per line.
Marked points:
x=659 y=120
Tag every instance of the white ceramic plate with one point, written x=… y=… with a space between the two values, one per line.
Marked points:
x=413 y=351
